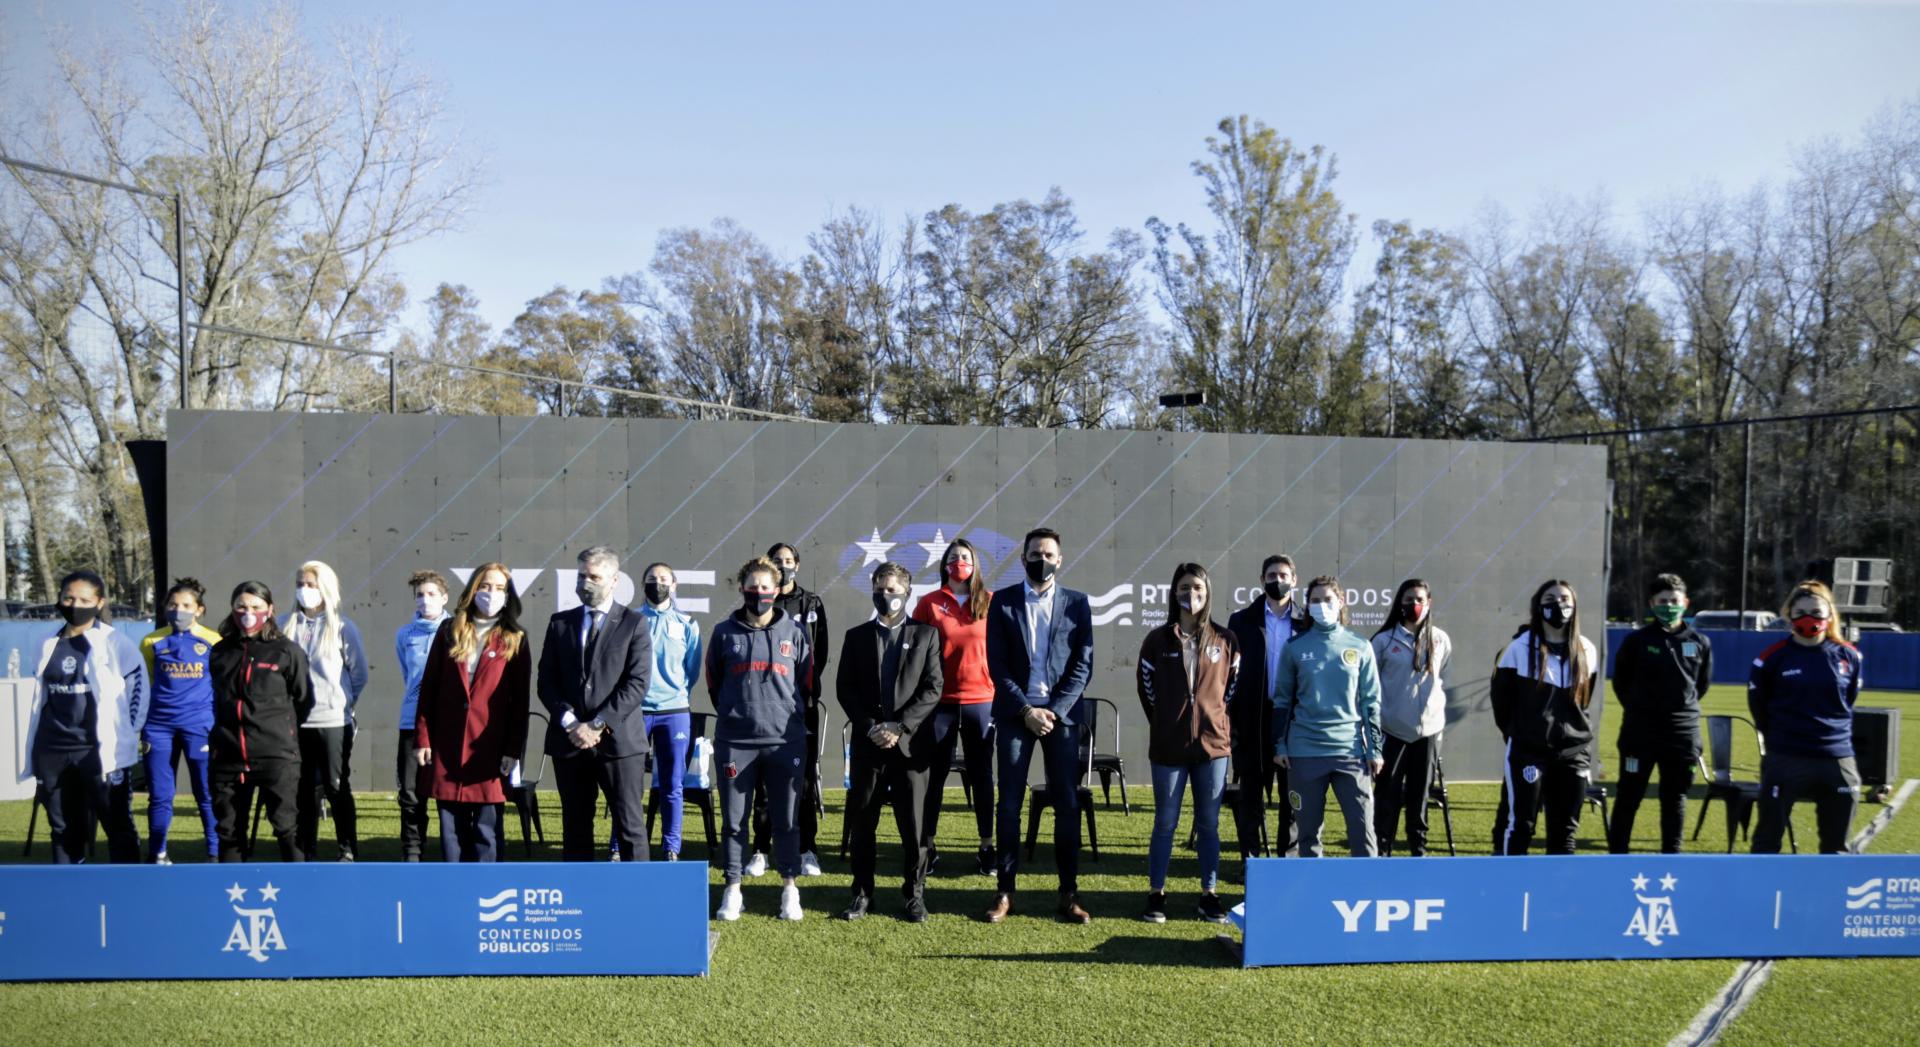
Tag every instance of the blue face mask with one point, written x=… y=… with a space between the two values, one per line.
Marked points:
x=181 y=620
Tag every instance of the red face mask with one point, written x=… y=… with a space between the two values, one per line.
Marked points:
x=1417 y=611
x=960 y=570
x=1808 y=626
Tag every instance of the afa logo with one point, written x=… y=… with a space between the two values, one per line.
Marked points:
x=1653 y=921
x=256 y=931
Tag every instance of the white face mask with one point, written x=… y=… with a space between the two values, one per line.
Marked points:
x=308 y=597
x=487 y=602
x=1326 y=612
x=429 y=606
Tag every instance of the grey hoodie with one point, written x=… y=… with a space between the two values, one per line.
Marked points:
x=756 y=677
x=1412 y=705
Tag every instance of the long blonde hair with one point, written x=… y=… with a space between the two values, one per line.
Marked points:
x=328 y=583
x=507 y=624
x=1819 y=591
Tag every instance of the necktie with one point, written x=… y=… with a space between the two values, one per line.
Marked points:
x=593 y=642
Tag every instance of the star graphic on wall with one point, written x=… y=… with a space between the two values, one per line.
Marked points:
x=1640 y=883
x=935 y=548
x=1668 y=883
x=875 y=550
x=269 y=893
x=236 y=893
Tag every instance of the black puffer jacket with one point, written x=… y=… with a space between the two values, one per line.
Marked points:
x=260 y=695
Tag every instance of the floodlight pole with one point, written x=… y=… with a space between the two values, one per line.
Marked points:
x=180 y=292
x=1746 y=516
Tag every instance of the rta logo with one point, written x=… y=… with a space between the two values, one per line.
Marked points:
x=1388 y=911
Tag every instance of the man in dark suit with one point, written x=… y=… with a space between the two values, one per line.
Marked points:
x=594 y=669
x=1040 y=654
x=1262 y=629
x=888 y=686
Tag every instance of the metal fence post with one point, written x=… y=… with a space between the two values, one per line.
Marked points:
x=180 y=292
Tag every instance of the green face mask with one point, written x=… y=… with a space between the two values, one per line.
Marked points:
x=1669 y=615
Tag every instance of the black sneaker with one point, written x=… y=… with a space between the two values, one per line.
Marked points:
x=985 y=862
x=916 y=911
x=1210 y=908
x=672 y=856
x=1156 y=911
x=857 y=909
x=933 y=859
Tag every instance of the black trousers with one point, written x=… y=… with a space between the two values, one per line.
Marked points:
x=582 y=777
x=1531 y=778
x=809 y=813
x=469 y=832
x=882 y=776
x=81 y=798
x=969 y=728
x=235 y=790
x=1676 y=777
x=1258 y=773
x=413 y=806
x=1831 y=783
x=1403 y=784
x=326 y=764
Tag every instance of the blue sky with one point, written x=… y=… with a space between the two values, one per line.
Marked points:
x=605 y=123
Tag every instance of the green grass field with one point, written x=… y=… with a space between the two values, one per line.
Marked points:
x=956 y=979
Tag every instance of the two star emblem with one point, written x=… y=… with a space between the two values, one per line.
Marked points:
x=269 y=893
x=1667 y=882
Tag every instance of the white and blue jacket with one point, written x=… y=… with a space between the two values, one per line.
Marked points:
x=676 y=660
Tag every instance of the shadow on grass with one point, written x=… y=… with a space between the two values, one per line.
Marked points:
x=1125 y=951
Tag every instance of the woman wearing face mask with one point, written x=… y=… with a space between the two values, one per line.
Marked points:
x=958 y=612
x=260 y=695
x=410 y=647
x=759 y=671
x=471 y=727
x=1413 y=654
x=1801 y=692
x=1187 y=673
x=339 y=669
x=181 y=716
x=89 y=701
x=1326 y=711
x=1541 y=689
x=669 y=702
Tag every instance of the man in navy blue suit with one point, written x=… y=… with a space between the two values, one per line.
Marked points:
x=1040 y=653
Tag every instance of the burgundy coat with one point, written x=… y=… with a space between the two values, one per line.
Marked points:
x=471 y=723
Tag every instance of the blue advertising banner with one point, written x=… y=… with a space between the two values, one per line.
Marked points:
x=346 y=921
x=1587 y=907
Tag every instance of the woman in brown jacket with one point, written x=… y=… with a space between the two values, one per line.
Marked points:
x=473 y=714
x=1188 y=669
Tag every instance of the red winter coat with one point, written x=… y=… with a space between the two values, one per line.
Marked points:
x=470 y=724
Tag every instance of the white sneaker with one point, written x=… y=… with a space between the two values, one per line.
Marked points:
x=809 y=864
x=757 y=865
x=731 y=904
x=790 y=902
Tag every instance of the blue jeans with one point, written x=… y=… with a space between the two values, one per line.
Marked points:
x=165 y=744
x=1062 y=755
x=1169 y=782
x=670 y=734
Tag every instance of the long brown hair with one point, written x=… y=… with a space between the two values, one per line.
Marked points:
x=1819 y=591
x=978 y=595
x=1203 y=613
x=507 y=625
x=1576 y=651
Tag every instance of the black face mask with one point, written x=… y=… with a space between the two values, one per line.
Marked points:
x=756 y=604
x=1276 y=592
x=657 y=594
x=1039 y=571
x=786 y=577
x=886 y=605
x=1556 y=615
x=79 y=615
